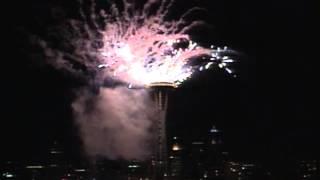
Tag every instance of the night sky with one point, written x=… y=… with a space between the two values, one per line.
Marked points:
x=267 y=113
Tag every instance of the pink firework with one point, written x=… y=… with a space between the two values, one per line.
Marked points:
x=138 y=46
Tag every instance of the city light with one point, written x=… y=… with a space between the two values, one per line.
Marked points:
x=176 y=147
x=35 y=167
x=8 y=175
x=133 y=166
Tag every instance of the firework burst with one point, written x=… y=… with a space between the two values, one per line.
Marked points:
x=138 y=46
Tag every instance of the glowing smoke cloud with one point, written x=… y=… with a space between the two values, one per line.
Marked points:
x=134 y=46
x=118 y=124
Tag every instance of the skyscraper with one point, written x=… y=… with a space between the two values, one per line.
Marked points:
x=206 y=157
x=56 y=164
x=175 y=159
x=215 y=136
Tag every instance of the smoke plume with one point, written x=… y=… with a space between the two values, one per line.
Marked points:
x=115 y=123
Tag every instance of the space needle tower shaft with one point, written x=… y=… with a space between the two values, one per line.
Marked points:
x=160 y=91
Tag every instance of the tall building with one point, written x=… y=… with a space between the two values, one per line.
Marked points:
x=205 y=157
x=56 y=155
x=195 y=161
x=56 y=161
x=215 y=154
x=175 y=159
x=215 y=136
x=160 y=91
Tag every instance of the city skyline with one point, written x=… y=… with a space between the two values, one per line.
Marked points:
x=267 y=113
